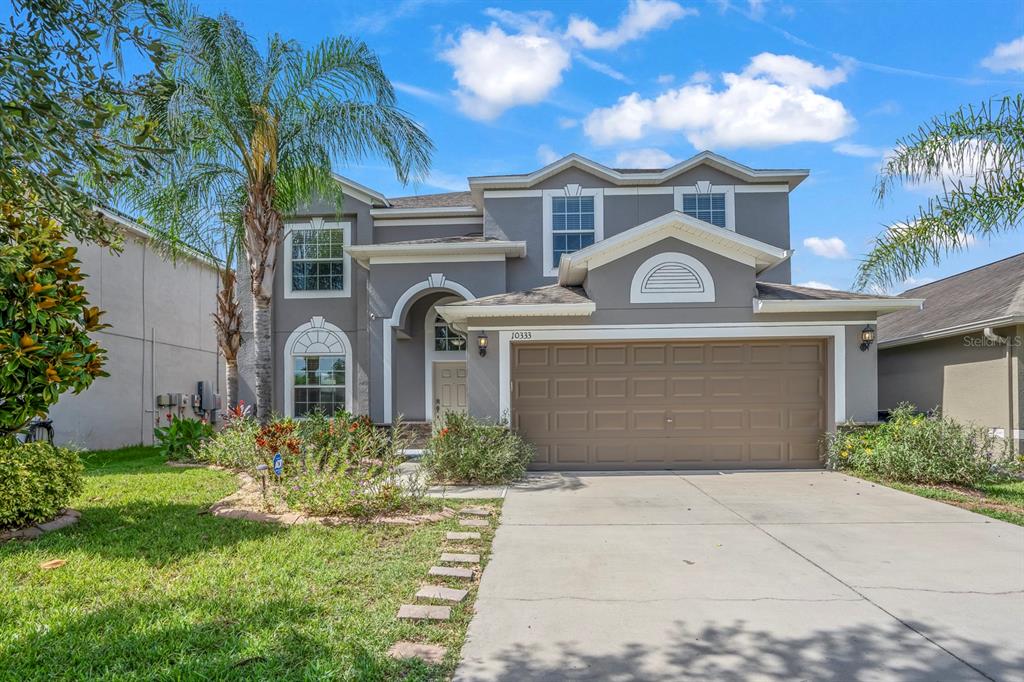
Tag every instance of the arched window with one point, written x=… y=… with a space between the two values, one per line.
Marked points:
x=317 y=373
x=672 y=278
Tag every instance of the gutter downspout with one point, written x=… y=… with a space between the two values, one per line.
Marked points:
x=991 y=335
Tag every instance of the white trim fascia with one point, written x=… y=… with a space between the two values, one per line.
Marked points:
x=289 y=375
x=760 y=189
x=317 y=224
x=573 y=267
x=967 y=328
x=361 y=192
x=430 y=356
x=836 y=332
x=457 y=313
x=507 y=249
x=452 y=258
x=793 y=177
x=879 y=305
x=427 y=222
x=436 y=280
x=730 y=200
x=694 y=325
x=547 y=231
x=424 y=211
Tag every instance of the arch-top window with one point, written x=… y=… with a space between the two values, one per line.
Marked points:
x=672 y=278
x=316 y=370
x=445 y=338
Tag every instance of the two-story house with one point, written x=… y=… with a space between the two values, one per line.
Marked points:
x=619 y=319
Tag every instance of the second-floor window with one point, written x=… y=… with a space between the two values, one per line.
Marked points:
x=572 y=225
x=707 y=207
x=317 y=264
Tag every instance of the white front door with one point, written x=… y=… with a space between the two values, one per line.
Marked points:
x=449 y=388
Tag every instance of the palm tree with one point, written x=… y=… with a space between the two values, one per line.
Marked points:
x=976 y=155
x=254 y=133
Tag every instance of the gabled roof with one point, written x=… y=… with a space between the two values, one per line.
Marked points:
x=361 y=192
x=791 y=177
x=789 y=298
x=442 y=200
x=989 y=296
x=573 y=267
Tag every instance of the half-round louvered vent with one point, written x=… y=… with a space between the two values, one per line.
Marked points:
x=672 y=278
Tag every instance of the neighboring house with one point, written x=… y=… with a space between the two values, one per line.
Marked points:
x=618 y=318
x=963 y=352
x=161 y=342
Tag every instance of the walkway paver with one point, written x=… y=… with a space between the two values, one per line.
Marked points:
x=744 y=575
x=428 y=653
x=458 y=558
x=451 y=571
x=474 y=523
x=424 y=612
x=467 y=535
x=475 y=511
x=441 y=592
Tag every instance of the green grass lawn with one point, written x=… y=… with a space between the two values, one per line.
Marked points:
x=154 y=588
x=1004 y=501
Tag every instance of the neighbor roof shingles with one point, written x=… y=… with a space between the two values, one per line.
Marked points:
x=991 y=292
x=444 y=200
x=790 y=292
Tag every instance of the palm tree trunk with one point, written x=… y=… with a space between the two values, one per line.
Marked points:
x=263 y=228
x=228 y=321
x=231 y=380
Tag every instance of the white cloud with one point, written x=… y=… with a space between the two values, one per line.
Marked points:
x=814 y=284
x=756 y=8
x=828 y=247
x=446 y=181
x=665 y=79
x=641 y=17
x=496 y=70
x=644 y=158
x=1006 y=57
x=546 y=155
x=772 y=102
x=417 y=91
x=601 y=67
x=565 y=123
x=859 y=150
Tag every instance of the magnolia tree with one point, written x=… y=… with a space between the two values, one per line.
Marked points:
x=45 y=318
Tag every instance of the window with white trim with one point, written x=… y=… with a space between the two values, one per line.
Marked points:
x=572 y=225
x=707 y=207
x=447 y=339
x=317 y=264
x=319 y=384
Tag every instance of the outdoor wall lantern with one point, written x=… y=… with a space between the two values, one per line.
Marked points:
x=481 y=344
x=867 y=337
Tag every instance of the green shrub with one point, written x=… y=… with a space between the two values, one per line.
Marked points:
x=233 y=447
x=37 y=481
x=180 y=439
x=917 y=448
x=468 y=450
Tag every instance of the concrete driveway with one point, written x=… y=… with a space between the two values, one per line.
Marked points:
x=801 y=575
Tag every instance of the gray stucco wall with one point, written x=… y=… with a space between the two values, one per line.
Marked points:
x=383 y=233
x=161 y=340
x=969 y=377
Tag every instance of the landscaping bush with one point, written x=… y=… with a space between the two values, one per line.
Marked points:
x=468 y=450
x=917 y=448
x=343 y=465
x=37 y=481
x=180 y=439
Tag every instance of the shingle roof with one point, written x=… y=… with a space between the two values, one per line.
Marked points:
x=991 y=292
x=444 y=200
x=553 y=293
x=790 y=292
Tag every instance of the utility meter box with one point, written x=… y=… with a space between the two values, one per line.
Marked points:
x=184 y=399
x=164 y=400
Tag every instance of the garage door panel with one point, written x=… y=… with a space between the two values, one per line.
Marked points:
x=680 y=404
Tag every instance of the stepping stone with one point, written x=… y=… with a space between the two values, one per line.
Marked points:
x=451 y=571
x=441 y=592
x=420 y=612
x=476 y=511
x=474 y=523
x=428 y=653
x=460 y=558
x=468 y=535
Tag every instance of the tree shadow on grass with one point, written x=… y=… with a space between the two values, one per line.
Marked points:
x=738 y=653
x=226 y=638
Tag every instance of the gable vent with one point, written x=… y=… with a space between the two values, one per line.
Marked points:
x=672 y=277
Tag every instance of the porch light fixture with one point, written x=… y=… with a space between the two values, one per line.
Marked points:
x=481 y=344
x=867 y=337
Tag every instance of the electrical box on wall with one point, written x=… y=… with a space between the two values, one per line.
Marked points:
x=184 y=399
x=164 y=400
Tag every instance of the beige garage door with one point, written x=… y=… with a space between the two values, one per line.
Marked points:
x=671 y=405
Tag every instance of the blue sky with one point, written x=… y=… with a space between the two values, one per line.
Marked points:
x=829 y=86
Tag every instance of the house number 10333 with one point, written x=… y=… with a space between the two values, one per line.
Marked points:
x=521 y=336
